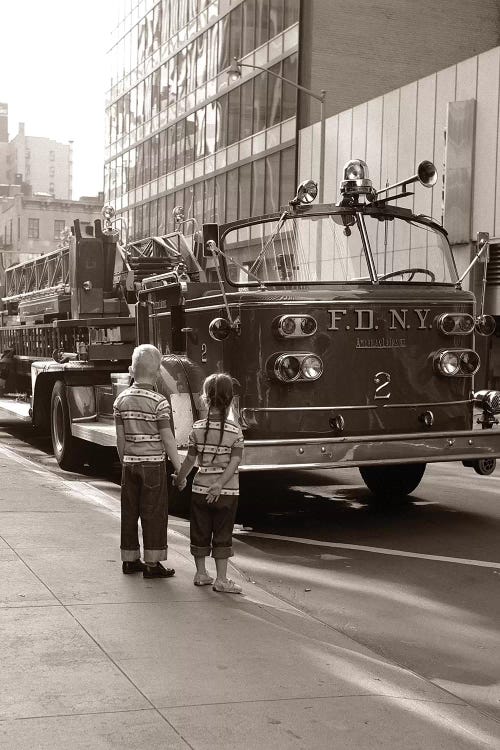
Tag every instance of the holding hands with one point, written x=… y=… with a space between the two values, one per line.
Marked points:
x=180 y=483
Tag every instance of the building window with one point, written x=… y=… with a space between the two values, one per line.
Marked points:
x=33 y=229
x=52 y=155
x=232 y=195
x=291 y=12
x=59 y=225
x=27 y=154
x=258 y=187
x=287 y=175
x=272 y=183
x=51 y=188
x=52 y=171
x=289 y=93
x=18 y=227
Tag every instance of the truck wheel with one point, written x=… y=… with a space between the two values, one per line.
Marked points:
x=69 y=451
x=392 y=482
x=484 y=466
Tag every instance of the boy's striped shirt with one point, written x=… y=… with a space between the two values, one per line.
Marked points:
x=230 y=445
x=143 y=413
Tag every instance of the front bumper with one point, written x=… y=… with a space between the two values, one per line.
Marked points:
x=343 y=452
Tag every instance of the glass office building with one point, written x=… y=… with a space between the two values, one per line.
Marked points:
x=179 y=133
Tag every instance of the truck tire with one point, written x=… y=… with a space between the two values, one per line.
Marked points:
x=484 y=466
x=70 y=452
x=392 y=482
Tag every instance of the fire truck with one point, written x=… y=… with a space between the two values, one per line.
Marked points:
x=345 y=326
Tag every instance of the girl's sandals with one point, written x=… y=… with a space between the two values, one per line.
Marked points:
x=202 y=579
x=226 y=587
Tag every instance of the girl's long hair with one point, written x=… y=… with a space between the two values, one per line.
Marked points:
x=217 y=394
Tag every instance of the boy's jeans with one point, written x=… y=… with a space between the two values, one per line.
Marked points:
x=144 y=496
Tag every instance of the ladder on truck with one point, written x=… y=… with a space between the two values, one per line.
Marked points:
x=51 y=333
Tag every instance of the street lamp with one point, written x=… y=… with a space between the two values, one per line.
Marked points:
x=234 y=74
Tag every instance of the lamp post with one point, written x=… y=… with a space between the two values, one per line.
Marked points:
x=234 y=74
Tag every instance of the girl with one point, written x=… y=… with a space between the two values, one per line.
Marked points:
x=216 y=444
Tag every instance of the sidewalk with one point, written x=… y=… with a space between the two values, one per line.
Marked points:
x=94 y=659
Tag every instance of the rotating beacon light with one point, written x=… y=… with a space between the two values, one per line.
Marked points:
x=108 y=213
x=357 y=181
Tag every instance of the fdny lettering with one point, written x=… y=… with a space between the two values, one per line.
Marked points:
x=422 y=314
x=363 y=319
x=400 y=317
x=334 y=317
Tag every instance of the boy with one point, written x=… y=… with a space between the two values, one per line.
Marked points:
x=143 y=433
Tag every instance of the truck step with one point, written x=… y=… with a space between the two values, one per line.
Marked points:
x=101 y=433
x=15 y=407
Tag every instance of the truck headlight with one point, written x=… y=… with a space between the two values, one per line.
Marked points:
x=456 y=362
x=287 y=368
x=485 y=325
x=311 y=367
x=469 y=362
x=455 y=324
x=293 y=367
x=294 y=326
x=447 y=363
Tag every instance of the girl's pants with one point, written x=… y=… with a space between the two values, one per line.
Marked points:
x=212 y=525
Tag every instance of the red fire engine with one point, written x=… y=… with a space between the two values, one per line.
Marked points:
x=345 y=326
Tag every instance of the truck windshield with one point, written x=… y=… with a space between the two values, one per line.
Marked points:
x=330 y=249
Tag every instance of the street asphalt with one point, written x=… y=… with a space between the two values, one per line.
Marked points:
x=95 y=659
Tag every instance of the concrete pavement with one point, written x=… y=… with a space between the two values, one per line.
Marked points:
x=91 y=658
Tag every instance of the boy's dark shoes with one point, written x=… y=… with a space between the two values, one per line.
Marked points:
x=134 y=566
x=158 y=571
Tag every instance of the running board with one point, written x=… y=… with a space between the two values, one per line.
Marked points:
x=100 y=433
x=19 y=409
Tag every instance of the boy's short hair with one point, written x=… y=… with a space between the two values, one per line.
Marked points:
x=146 y=360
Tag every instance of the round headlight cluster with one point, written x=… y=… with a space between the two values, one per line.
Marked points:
x=287 y=367
x=456 y=362
x=485 y=325
x=295 y=326
x=219 y=329
x=455 y=324
x=291 y=368
x=311 y=367
x=449 y=363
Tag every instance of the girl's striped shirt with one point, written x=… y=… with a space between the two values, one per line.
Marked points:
x=230 y=445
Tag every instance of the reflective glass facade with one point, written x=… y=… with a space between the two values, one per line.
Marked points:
x=178 y=133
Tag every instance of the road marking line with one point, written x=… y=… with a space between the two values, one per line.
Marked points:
x=362 y=548
x=100 y=497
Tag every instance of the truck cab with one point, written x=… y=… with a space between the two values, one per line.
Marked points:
x=346 y=329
